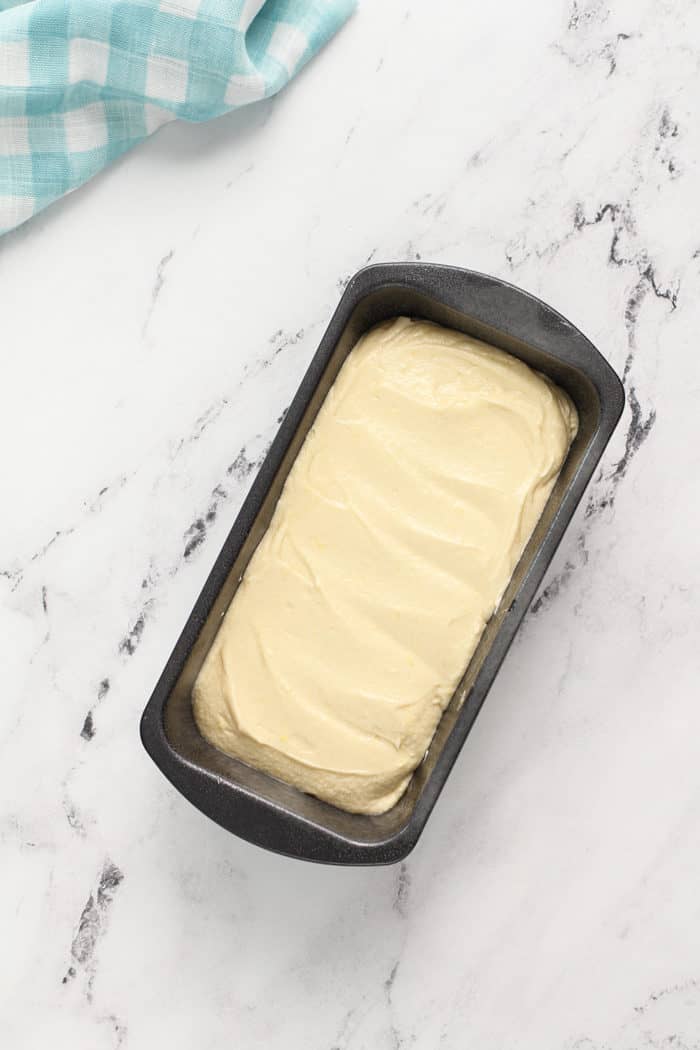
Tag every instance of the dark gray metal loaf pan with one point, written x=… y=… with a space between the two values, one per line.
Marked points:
x=254 y=805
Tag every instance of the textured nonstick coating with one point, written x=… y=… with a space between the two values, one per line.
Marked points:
x=254 y=805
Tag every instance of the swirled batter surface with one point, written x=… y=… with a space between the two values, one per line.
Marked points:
x=394 y=538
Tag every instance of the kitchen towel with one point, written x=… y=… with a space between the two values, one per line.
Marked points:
x=81 y=81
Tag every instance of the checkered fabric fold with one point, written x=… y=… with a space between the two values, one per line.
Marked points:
x=81 y=81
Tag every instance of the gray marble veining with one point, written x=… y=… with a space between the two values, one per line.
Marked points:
x=155 y=326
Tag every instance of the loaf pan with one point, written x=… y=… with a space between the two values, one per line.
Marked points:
x=253 y=804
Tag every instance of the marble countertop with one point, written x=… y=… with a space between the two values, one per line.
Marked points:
x=155 y=326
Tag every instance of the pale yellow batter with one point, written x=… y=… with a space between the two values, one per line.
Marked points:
x=394 y=538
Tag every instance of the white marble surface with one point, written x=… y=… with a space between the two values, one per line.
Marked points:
x=154 y=326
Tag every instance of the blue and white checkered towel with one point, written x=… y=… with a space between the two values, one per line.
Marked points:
x=81 y=81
